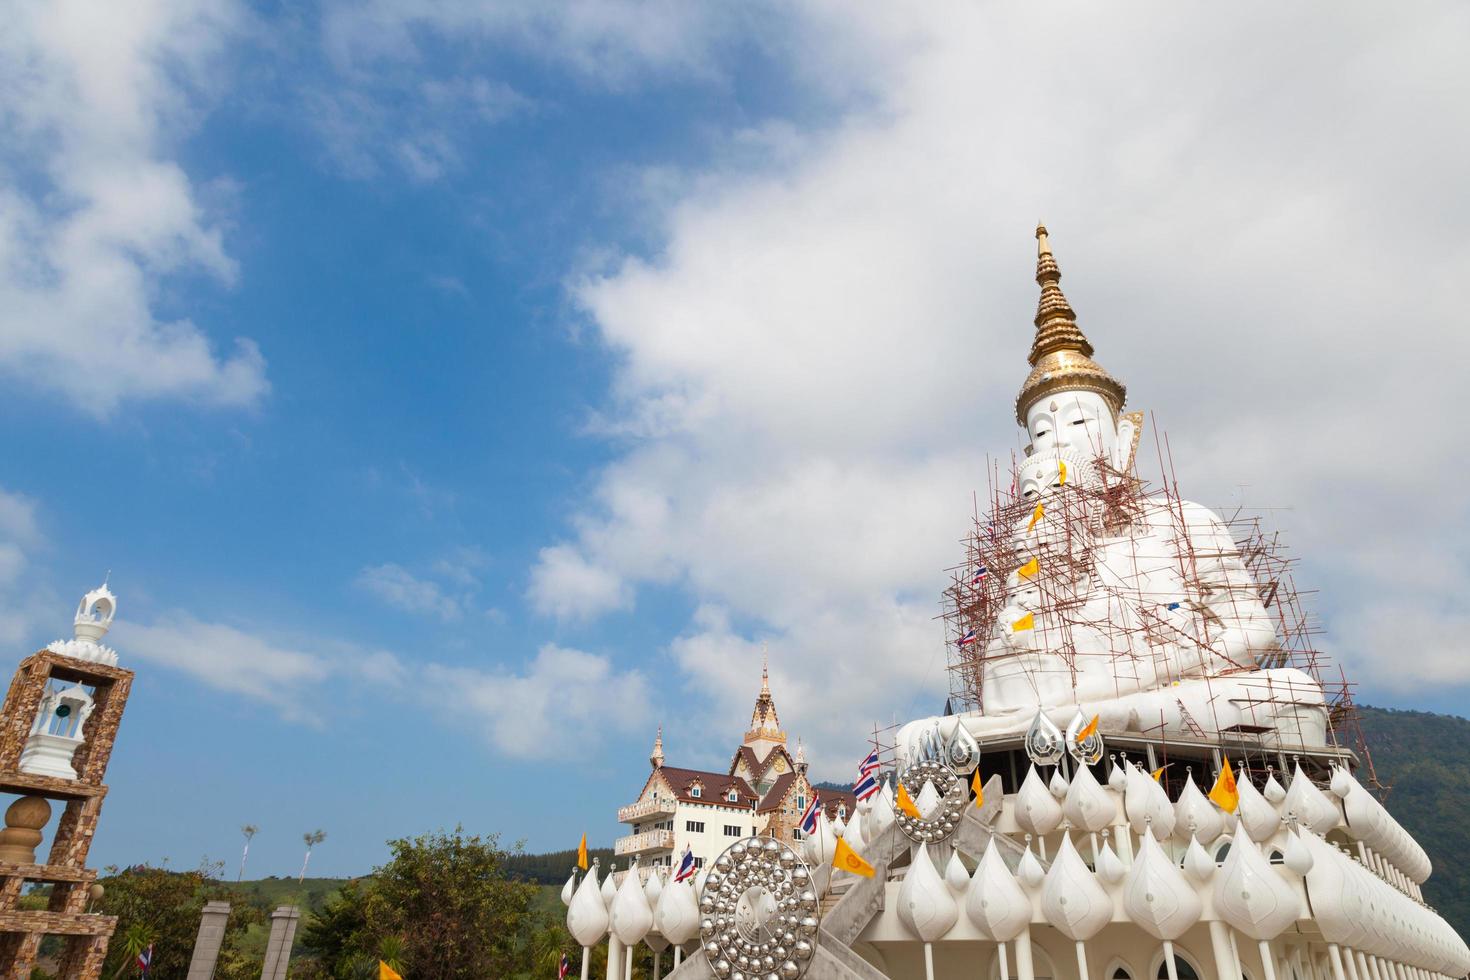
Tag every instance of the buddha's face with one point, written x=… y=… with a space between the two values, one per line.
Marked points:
x=1071 y=422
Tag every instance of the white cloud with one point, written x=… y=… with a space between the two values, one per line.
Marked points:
x=229 y=659
x=812 y=366
x=565 y=701
x=566 y=584
x=400 y=588
x=23 y=602
x=94 y=212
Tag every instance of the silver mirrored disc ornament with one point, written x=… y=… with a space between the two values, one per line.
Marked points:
x=1043 y=741
x=945 y=818
x=761 y=903
x=1088 y=751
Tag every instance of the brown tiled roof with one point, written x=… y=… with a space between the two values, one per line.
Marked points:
x=717 y=786
x=777 y=793
x=830 y=799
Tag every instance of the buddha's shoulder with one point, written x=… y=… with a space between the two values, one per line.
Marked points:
x=1159 y=511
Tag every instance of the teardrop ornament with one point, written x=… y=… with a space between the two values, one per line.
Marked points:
x=1043 y=741
x=1089 y=750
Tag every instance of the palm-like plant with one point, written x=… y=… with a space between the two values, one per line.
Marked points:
x=249 y=830
x=311 y=840
x=137 y=938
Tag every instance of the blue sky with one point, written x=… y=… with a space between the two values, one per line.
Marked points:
x=455 y=392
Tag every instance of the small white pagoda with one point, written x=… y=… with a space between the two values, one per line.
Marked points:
x=1146 y=779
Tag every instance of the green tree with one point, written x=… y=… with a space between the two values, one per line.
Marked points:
x=449 y=898
x=162 y=908
x=338 y=936
x=443 y=908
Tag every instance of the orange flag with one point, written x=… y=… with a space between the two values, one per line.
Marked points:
x=386 y=972
x=582 y=853
x=906 y=803
x=1036 y=516
x=979 y=789
x=1224 y=793
x=1091 y=727
x=846 y=859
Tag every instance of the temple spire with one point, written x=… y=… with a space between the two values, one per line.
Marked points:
x=656 y=757
x=765 y=725
x=1061 y=354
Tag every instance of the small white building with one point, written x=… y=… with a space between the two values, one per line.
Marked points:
x=763 y=792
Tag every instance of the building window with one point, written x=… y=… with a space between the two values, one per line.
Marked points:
x=801 y=802
x=696 y=791
x=1183 y=967
x=699 y=862
x=731 y=830
x=734 y=796
x=694 y=826
x=796 y=833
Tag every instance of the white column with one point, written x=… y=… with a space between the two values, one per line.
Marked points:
x=1225 y=965
x=614 y=958
x=1024 y=969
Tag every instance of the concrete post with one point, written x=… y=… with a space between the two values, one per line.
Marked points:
x=278 y=947
x=211 y=937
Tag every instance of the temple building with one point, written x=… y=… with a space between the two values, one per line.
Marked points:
x=1145 y=770
x=762 y=793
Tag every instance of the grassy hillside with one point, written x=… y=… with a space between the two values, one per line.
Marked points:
x=1426 y=759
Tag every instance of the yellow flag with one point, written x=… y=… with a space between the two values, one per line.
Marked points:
x=906 y=803
x=1159 y=772
x=1026 y=622
x=1225 y=794
x=846 y=859
x=1062 y=469
x=1091 y=727
x=1036 y=516
x=979 y=789
x=386 y=972
x=1029 y=569
x=582 y=853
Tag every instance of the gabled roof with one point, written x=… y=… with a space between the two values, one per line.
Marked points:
x=776 y=795
x=717 y=786
x=758 y=767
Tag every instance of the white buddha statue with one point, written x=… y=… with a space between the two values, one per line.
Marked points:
x=1133 y=607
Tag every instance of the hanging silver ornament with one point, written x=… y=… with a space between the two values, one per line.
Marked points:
x=1088 y=751
x=963 y=751
x=1043 y=741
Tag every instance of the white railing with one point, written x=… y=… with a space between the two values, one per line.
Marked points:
x=644 y=809
x=649 y=840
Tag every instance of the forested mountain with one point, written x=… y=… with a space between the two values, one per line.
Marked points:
x=1425 y=758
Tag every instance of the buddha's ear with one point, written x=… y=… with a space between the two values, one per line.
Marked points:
x=1130 y=430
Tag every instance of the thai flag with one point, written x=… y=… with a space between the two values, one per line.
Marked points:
x=865 y=787
x=979 y=576
x=967 y=639
x=809 y=815
x=564 y=968
x=869 y=765
x=145 y=960
x=686 y=866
